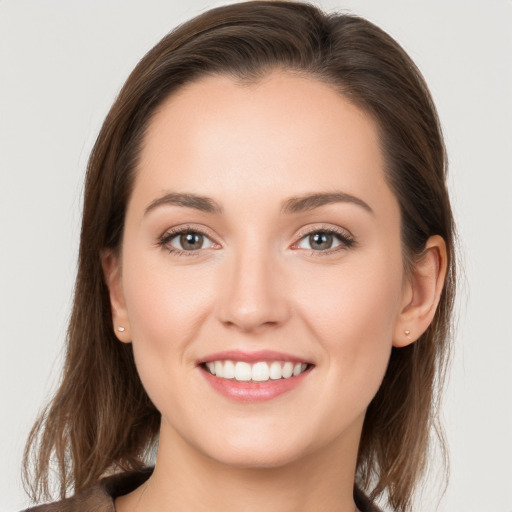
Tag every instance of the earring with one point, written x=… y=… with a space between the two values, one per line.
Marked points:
x=120 y=329
x=407 y=332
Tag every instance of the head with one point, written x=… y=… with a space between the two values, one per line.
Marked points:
x=239 y=48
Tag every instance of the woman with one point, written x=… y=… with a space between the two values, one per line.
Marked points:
x=266 y=276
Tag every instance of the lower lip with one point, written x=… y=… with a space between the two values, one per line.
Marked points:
x=253 y=391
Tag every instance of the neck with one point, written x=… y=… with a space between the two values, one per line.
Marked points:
x=186 y=479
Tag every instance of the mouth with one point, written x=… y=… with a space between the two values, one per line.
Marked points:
x=255 y=376
x=259 y=371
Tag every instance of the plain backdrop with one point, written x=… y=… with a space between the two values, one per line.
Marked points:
x=62 y=63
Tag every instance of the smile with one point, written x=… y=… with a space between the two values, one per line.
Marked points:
x=259 y=376
x=259 y=371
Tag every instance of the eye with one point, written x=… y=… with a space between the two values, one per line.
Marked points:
x=185 y=241
x=190 y=241
x=323 y=240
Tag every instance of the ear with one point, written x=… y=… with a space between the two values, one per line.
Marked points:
x=112 y=271
x=422 y=293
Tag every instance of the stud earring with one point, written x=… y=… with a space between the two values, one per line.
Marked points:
x=407 y=333
x=120 y=329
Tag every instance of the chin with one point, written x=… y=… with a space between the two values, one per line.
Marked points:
x=258 y=451
x=256 y=458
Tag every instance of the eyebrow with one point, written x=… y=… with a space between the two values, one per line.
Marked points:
x=202 y=203
x=312 y=201
x=292 y=205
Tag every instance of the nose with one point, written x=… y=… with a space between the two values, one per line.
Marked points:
x=254 y=293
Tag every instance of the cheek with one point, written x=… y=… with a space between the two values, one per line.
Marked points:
x=166 y=308
x=352 y=310
x=353 y=300
x=165 y=304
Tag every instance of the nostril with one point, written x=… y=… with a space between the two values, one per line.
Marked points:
x=252 y=296
x=248 y=325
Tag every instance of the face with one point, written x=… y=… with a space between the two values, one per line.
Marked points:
x=261 y=239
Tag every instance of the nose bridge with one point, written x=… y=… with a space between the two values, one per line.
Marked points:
x=253 y=295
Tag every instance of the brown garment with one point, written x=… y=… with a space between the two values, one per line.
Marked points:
x=100 y=498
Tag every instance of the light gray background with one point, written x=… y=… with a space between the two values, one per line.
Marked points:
x=61 y=64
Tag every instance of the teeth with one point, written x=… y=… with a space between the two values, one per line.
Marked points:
x=287 y=370
x=260 y=372
x=275 y=371
x=297 y=369
x=229 y=370
x=257 y=372
x=242 y=370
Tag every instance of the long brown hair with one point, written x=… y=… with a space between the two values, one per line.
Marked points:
x=100 y=419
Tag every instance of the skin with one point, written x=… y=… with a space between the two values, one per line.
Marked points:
x=257 y=284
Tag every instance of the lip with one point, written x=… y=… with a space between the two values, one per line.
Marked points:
x=252 y=357
x=252 y=392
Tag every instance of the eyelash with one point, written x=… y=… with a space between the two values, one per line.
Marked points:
x=346 y=240
x=344 y=237
x=166 y=238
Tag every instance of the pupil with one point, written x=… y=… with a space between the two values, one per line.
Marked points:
x=191 y=241
x=321 y=240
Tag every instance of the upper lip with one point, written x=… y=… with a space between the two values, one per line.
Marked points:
x=252 y=357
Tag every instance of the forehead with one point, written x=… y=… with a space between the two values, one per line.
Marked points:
x=285 y=133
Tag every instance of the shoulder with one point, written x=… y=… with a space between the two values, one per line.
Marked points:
x=99 y=498
x=94 y=499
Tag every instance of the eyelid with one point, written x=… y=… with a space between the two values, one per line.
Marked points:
x=345 y=237
x=314 y=228
x=171 y=233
